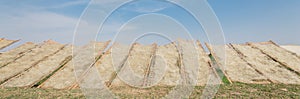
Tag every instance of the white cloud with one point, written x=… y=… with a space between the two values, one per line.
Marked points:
x=37 y=26
x=146 y=9
x=30 y=22
x=35 y=23
x=70 y=3
x=147 y=6
x=106 y=2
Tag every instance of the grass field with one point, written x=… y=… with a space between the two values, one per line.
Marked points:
x=236 y=90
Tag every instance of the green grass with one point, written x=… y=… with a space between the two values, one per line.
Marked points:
x=29 y=93
x=236 y=90
x=218 y=70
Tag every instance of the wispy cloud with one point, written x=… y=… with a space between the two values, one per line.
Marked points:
x=43 y=26
x=70 y=3
x=147 y=6
x=31 y=22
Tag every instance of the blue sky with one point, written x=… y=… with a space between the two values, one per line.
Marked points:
x=242 y=20
x=259 y=20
